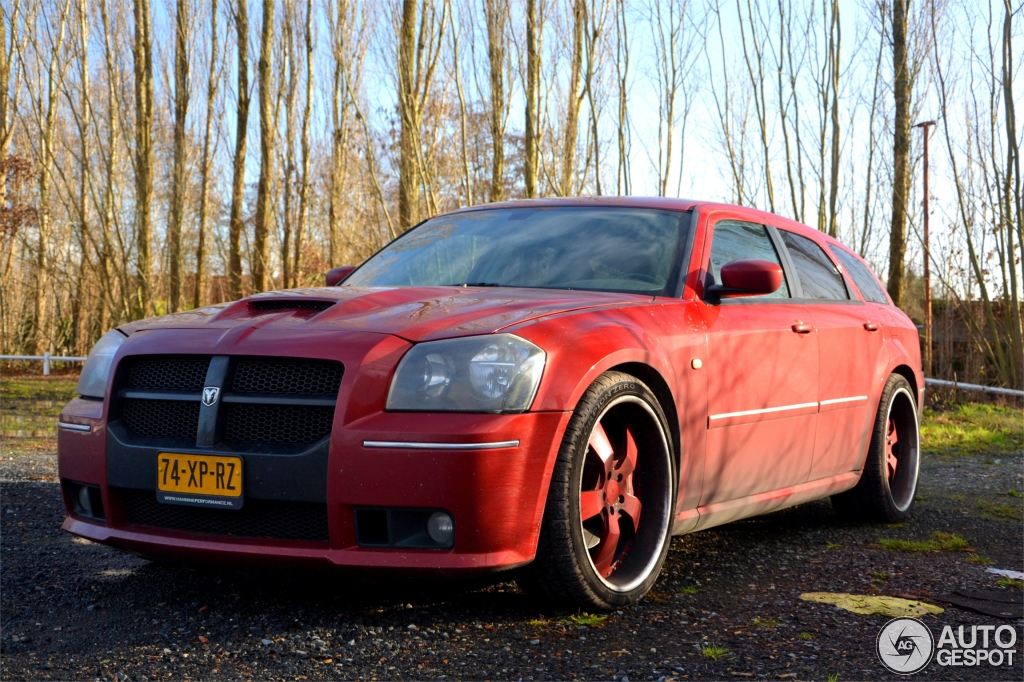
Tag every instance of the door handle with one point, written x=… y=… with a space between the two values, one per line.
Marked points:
x=801 y=328
x=871 y=326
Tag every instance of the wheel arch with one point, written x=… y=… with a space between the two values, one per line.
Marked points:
x=656 y=382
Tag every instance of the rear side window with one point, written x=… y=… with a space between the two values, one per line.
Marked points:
x=819 y=278
x=735 y=240
x=860 y=275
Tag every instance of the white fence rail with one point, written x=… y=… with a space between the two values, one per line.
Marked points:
x=46 y=359
x=974 y=387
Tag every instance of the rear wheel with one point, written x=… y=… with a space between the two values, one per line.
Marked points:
x=608 y=517
x=888 y=483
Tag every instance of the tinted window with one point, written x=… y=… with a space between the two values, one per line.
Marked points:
x=819 y=278
x=861 y=276
x=634 y=250
x=734 y=240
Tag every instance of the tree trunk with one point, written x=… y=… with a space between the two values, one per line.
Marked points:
x=307 y=112
x=901 y=151
x=238 y=171
x=408 y=168
x=268 y=127
x=181 y=96
x=572 y=113
x=204 y=196
x=497 y=18
x=834 y=44
x=143 y=65
x=532 y=132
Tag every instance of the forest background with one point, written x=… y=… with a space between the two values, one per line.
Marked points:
x=160 y=155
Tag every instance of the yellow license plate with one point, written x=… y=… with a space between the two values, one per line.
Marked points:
x=199 y=474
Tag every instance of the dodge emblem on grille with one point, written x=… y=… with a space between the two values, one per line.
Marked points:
x=210 y=394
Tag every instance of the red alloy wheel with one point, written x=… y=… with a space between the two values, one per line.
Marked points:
x=609 y=506
x=891 y=449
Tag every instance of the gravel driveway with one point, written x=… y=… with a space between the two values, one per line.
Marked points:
x=727 y=605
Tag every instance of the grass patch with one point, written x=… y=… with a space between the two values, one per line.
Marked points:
x=1010 y=582
x=978 y=559
x=29 y=406
x=769 y=623
x=973 y=427
x=714 y=652
x=806 y=636
x=688 y=589
x=833 y=545
x=1004 y=512
x=940 y=542
x=1014 y=493
x=879 y=576
x=832 y=677
x=590 y=620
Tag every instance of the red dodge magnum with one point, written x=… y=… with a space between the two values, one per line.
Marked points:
x=556 y=387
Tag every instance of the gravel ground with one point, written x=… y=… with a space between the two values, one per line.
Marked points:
x=75 y=610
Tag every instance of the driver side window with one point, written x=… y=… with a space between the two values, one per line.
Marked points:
x=736 y=240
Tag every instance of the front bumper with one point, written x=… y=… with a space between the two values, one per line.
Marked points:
x=495 y=495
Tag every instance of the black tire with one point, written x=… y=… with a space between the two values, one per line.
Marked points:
x=882 y=495
x=632 y=428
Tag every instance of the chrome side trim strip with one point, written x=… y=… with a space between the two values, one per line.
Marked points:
x=833 y=401
x=766 y=410
x=439 y=446
x=68 y=426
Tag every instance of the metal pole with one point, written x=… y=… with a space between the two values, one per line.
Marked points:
x=926 y=360
x=46 y=363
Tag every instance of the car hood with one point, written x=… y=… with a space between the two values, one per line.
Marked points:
x=413 y=313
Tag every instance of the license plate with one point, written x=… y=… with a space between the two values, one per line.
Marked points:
x=199 y=480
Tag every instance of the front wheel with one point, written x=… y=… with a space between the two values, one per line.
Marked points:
x=608 y=519
x=886 y=489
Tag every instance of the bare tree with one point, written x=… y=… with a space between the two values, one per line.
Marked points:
x=143 y=64
x=534 y=50
x=622 y=130
x=205 y=170
x=496 y=13
x=901 y=150
x=574 y=97
x=181 y=98
x=307 y=115
x=268 y=131
x=241 y=136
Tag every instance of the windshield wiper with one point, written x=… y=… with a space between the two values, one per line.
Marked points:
x=476 y=284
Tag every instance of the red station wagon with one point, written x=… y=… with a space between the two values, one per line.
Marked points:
x=554 y=386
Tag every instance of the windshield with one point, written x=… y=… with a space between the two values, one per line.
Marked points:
x=634 y=250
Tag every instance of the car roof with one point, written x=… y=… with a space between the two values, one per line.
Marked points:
x=666 y=203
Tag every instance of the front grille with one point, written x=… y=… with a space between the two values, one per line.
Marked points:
x=172 y=419
x=289 y=304
x=249 y=410
x=168 y=374
x=256 y=519
x=263 y=375
x=277 y=424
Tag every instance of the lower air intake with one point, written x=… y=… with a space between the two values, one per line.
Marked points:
x=257 y=519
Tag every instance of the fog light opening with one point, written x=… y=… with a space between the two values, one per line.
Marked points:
x=440 y=528
x=83 y=500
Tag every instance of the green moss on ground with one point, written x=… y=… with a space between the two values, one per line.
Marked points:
x=969 y=428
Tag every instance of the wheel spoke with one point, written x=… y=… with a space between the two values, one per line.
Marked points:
x=608 y=548
x=591 y=503
x=600 y=444
x=631 y=505
x=628 y=465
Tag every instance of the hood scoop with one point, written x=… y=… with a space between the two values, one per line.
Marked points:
x=264 y=305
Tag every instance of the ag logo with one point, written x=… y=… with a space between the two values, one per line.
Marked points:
x=905 y=645
x=210 y=394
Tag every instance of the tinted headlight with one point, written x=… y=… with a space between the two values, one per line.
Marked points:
x=494 y=373
x=93 y=381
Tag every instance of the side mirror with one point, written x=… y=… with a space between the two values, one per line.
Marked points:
x=336 y=276
x=748 y=278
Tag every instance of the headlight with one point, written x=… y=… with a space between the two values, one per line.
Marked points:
x=93 y=381
x=495 y=373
